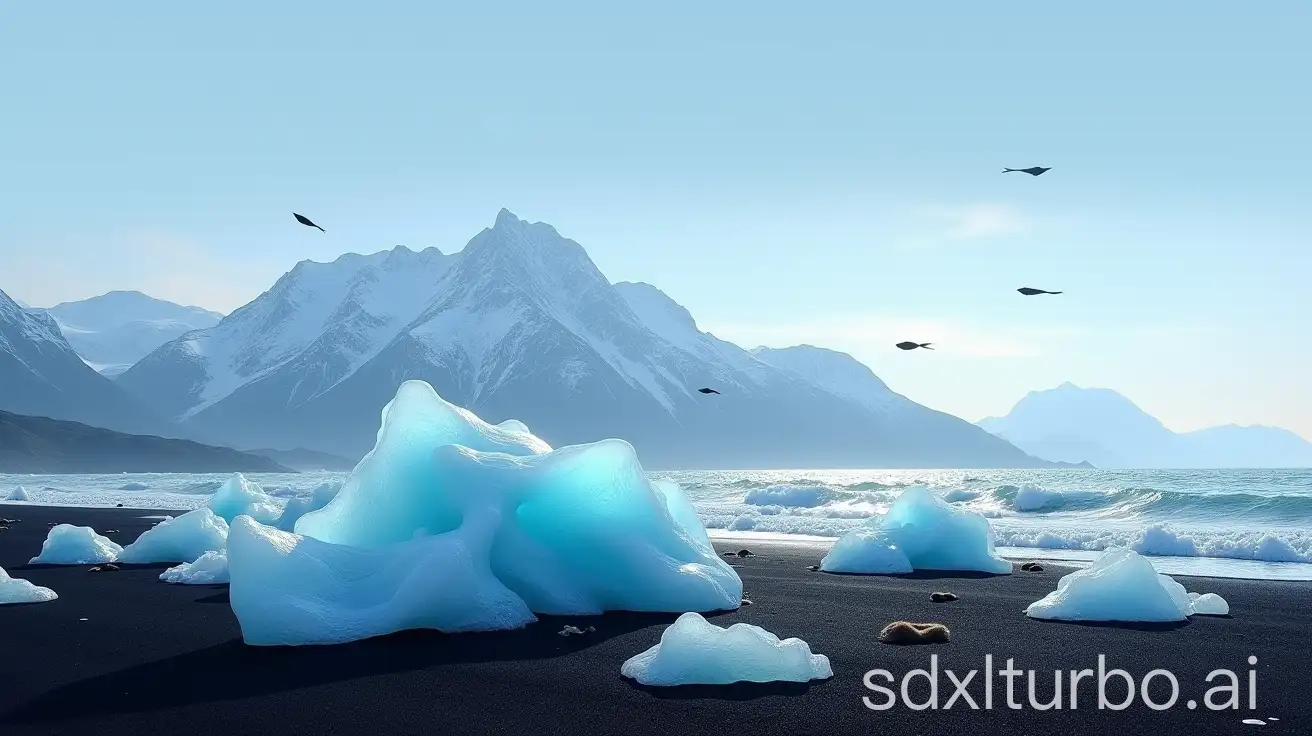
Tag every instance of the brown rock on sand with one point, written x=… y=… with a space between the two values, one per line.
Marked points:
x=905 y=632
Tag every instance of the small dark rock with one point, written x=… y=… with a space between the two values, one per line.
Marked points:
x=942 y=597
x=1032 y=567
x=745 y=553
x=107 y=567
x=813 y=568
x=728 y=554
x=745 y=602
x=118 y=505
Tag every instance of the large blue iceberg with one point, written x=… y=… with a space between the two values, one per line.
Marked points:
x=454 y=524
x=919 y=532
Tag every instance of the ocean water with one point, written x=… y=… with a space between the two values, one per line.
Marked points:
x=1233 y=523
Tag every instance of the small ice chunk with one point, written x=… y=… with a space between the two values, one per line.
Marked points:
x=181 y=539
x=208 y=569
x=867 y=551
x=693 y=651
x=18 y=494
x=17 y=590
x=75 y=545
x=1211 y=604
x=927 y=531
x=1121 y=585
x=239 y=496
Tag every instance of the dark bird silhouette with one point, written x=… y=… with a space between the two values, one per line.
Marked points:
x=913 y=345
x=707 y=391
x=306 y=221
x=1032 y=171
x=1027 y=291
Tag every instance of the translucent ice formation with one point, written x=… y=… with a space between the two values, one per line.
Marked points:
x=1210 y=604
x=17 y=590
x=75 y=545
x=1122 y=585
x=239 y=496
x=208 y=569
x=18 y=494
x=299 y=506
x=385 y=499
x=693 y=651
x=867 y=551
x=430 y=534
x=181 y=539
x=927 y=532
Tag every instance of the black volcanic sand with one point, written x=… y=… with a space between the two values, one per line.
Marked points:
x=162 y=659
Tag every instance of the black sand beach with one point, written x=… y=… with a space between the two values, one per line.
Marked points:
x=163 y=659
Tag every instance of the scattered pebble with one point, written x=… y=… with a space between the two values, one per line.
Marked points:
x=10 y=521
x=107 y=567
x=118 y=505
x=905 y=632
x=745 y=602
x=745 y=553
x=1032 y=567
x=110 y=531
x=575 y=631
x=942 y=597
x=813 y=568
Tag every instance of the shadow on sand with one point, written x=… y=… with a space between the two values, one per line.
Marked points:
x=735 y=691
x=232 y=670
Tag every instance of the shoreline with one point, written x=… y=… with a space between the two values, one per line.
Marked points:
x=123 y=653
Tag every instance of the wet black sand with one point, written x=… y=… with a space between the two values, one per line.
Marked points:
x=162 y=659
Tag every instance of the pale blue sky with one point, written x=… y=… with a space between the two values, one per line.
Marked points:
x=791 y=172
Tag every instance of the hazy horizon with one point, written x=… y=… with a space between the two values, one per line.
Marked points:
x=790 y=175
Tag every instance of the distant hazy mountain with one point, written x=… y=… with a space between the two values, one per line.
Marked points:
x=1069 y=423
x=521 y=324
x=115 y=330
x=41 y=445
x=41 y=375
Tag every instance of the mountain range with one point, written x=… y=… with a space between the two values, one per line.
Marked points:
x=41 y=374
x=115 y=330
x=42 y=445
x=521 y=324
x=1070 y=423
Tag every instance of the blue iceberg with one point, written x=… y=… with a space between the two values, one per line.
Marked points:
x=1122 y=585
x=693 y=651
x=208 y=569
x=181 y=539
x=454 y=524
x=919 y=532
x=17 y=590
x=239 y=496
x=75 y=545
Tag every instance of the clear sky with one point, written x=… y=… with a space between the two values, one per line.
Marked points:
x=824 y=173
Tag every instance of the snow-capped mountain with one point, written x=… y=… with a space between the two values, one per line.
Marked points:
x=1070 y=423
x=41 y=375
x=520 y=324
x=112 y=331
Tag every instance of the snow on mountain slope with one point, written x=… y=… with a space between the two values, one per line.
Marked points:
x=837 y=372
x=112 y=331
x=520 y=324
x=41 y=375
x=1070 y=423
x=323 y=318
